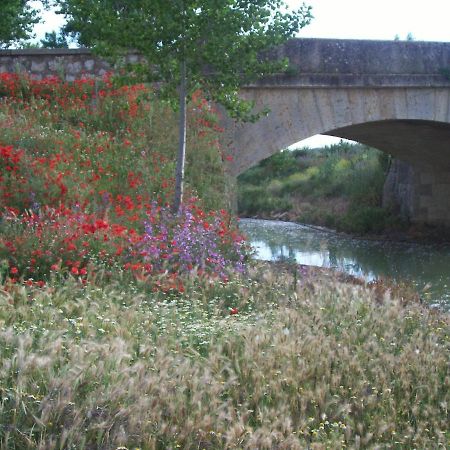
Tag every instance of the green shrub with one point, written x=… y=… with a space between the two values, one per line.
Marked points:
x=254 y=200
x=367 y=219
x=304 y=182
x=255 y=175
x=280 y=164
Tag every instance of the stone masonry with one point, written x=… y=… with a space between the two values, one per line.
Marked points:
x=69 y=64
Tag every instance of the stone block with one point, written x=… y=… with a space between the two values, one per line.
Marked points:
x=38 y=66
x=74 y=68
x=426 y=177
x=424 y=201
x=425 y=190
x=56 y=65
x=89 y=65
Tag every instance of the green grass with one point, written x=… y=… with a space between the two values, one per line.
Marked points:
x=311 y=363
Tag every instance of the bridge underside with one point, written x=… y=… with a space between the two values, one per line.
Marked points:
x=418 y=182
x=418 y=142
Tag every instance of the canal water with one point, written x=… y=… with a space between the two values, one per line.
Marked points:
x=426 y=267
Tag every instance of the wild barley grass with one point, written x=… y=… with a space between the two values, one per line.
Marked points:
x=306 y=364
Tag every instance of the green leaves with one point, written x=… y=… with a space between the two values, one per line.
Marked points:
x=17 y=18
x=220 y=40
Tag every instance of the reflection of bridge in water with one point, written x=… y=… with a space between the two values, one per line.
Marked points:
x=388 y=95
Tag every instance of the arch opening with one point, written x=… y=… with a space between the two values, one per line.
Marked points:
x=418 y=181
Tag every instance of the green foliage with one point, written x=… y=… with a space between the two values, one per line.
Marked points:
x=220 y=42
x=54 y=40
x=255 y=200
x=365 y=219
x=17 y=18
x=338 y=186
x=281 y=163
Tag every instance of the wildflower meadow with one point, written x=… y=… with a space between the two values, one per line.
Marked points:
x=125 y=326
x=83 y=188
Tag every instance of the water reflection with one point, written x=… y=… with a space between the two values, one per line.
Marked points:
x=420 y=265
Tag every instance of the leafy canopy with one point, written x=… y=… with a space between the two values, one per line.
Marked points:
x=219 y=41
x=17 y=18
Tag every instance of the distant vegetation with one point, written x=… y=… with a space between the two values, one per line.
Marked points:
x=339 y=186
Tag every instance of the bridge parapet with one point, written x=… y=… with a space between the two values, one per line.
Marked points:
x=361 y=63
x=326 y=63
x=70 y=64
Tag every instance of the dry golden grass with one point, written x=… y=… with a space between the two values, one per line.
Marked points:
x=311 y=363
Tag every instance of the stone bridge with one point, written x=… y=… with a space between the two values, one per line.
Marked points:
x=390 y=95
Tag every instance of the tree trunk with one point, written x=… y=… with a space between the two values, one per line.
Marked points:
x=179 y=175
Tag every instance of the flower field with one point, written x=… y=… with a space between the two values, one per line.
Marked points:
x=126 y=327
x=85 y=186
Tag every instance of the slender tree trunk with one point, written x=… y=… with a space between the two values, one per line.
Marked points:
x=179 y=175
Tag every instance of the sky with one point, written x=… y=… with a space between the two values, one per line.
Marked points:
x=353 y=19
x=378 y=19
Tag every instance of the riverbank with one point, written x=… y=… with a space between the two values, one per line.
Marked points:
x=416 y=268
x=380 y=289
x=339 y=187
x=414 y=234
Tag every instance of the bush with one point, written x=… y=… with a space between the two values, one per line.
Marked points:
x=255 y=200
x=367 y=219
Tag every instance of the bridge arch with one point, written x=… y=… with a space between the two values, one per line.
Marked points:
x=390 y=95
x=412 y=124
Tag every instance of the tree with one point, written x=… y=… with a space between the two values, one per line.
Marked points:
x=17 y=18
x=54 y=40
x=212 y=45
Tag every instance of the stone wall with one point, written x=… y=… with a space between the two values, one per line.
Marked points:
x=421 y=194
x=313 y=62
x=69 y=64
x=432 y=200
x=363 y=63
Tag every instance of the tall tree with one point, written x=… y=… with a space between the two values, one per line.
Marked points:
x=214 y=45
x=17 y=18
